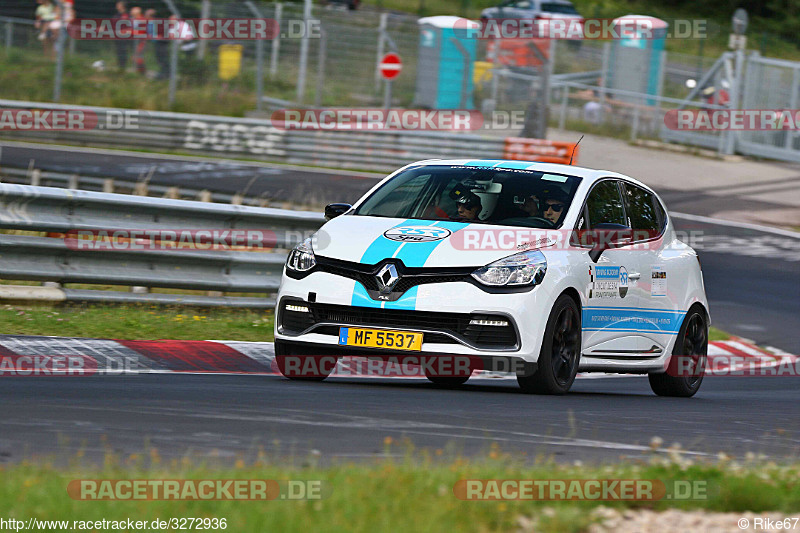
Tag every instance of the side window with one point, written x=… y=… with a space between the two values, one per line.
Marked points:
x=605 y=205
x=642 y=210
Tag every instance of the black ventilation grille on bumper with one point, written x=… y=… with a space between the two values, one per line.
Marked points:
x=442 y=326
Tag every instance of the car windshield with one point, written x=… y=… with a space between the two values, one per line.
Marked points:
x=561 y=9
x=485 y=195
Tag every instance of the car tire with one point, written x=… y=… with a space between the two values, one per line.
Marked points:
x=561 y=351
x=692 y=341
x=323 y=364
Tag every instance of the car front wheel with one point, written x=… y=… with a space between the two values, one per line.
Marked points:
x=560 y=353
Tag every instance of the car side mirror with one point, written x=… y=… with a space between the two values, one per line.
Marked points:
x=334 y=210
x=605 y=236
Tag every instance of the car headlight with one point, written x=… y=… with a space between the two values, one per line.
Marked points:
x=526 y=268
x=301 y=258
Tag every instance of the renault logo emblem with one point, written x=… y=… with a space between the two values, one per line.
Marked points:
x=387 y=278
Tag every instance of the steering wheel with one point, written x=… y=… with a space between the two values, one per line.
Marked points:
x=547 y=223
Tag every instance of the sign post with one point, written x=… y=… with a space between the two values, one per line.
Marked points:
x=389 y=67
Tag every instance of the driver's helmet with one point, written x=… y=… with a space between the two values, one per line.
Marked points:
x=486 y=191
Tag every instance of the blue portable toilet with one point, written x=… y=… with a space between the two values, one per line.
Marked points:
x=447 y=51
x=636 y=57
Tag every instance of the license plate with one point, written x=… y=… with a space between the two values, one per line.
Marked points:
x=380 y=338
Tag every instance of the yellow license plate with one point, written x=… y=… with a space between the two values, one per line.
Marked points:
x=380 y=338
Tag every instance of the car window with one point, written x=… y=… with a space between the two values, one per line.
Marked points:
x=641 y=210
x=522 y=4
x=604 y=205
x=488 y=195
x=561 y=9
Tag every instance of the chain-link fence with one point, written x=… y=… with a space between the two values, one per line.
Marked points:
x=328 y=56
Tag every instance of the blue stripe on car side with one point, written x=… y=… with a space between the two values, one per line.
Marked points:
x=632 y=320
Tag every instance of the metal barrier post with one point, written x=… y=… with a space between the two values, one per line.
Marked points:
x=62 y=37
x=735 y=103
x=205 y=12
x=635 y=125
x=792 y=104
x=259 y=60
x=321 y=54
x=562 y=118
x=9 y=35
x=381 y=45
x=301 y=75
x=276 y=42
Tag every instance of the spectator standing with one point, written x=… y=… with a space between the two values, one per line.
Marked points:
x=45 y=15
x=123 y=46
x=162 y=52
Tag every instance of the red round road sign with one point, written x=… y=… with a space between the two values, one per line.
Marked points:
x=390 y=66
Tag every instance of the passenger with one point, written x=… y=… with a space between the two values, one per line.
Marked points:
x=554 y=205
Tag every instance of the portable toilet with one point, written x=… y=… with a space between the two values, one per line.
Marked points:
x=636 y=57
x=447 y=51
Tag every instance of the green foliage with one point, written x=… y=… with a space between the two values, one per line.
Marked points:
x=138 y=322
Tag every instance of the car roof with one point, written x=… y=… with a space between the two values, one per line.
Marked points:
x=589 y=174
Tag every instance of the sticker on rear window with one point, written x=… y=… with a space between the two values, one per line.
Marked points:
x=554 y=177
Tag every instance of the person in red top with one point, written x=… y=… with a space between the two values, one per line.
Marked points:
x=140 y=38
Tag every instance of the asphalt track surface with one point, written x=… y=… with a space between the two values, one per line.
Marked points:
x=751 y=280
x=349 y=418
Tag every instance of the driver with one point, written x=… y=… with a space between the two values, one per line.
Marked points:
x=554 y=205
x=469 y=206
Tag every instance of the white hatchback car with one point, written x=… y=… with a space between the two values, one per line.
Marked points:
x=539 y=268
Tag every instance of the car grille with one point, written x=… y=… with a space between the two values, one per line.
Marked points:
x=455 y=324
x=409 y=277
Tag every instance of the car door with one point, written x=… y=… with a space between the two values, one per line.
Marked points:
x=612 y=324
x=657 y=265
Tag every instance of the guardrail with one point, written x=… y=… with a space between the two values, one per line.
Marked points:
x=257 y=138
x=62 y=211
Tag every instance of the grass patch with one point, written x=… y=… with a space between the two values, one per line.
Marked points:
x=415 y=494
x=147 y=322
x=715 y=334
x=142 y=322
